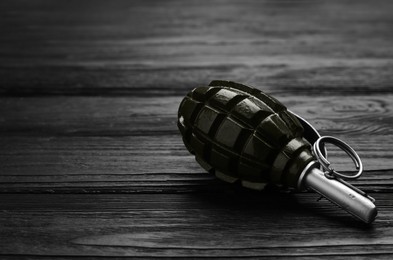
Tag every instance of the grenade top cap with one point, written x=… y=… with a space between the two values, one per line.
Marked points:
x=241 y=133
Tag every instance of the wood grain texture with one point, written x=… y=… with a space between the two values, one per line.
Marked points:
x=89 y=92
x=136 y=164
x=144 y=48
x=132 y=144
x=354 y=115
x=198 y=225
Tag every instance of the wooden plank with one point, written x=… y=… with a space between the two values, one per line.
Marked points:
x=64 y=34
x=194 y=225
x=108 y=144
x=314 y=76
x=97 y=47
x=135 y=164
x=100 y=164
x=353 y=115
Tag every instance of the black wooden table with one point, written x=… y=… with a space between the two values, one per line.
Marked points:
x=92 y=163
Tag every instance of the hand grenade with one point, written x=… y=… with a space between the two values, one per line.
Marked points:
x=242 y=134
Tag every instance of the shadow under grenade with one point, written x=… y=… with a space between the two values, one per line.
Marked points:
x=242 y=134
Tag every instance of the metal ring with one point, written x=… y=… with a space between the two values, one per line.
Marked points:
x=330 y=172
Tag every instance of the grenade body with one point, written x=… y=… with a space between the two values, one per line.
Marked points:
x=240 y=133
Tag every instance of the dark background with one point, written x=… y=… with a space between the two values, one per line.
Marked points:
x=92 y=163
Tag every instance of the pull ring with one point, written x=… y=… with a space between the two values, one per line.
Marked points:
x=330 y=172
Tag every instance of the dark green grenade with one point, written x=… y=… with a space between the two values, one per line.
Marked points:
x=241 y=133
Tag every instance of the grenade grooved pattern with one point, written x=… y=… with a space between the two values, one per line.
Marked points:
x=240 y=133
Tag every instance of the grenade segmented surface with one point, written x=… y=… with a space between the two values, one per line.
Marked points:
x=240 y=133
